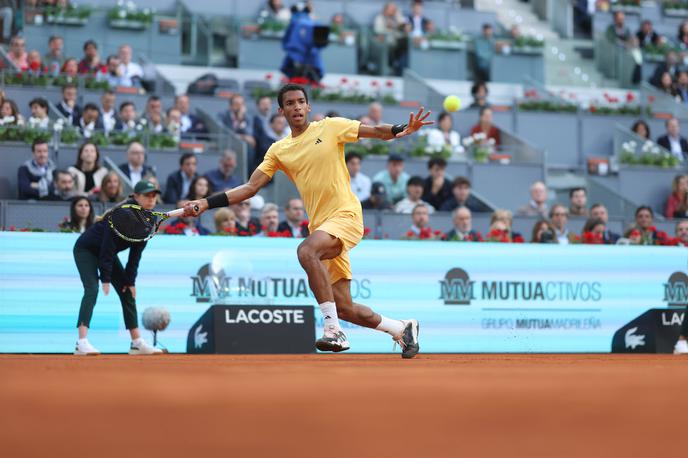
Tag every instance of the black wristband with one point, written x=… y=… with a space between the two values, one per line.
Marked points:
x=218 y=200
x=397 y=128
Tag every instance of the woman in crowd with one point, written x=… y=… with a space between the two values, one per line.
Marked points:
x=81 y=215
x=666 y=85
x=9 y=114
x=225 y=221
x=444 y=135
x=111 y=189
x=644 y=223
x=87 y=172
x=485 y=126
x=479 y=93
x=70 y=68
x=593 y=231
x=543 y=232
x=677 y=203
x=641 y=129
x=200 y=188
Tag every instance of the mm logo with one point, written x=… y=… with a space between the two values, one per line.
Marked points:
x=456 y=288
x=209 y=285
x=676 y=290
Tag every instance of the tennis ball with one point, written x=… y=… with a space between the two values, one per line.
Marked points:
x=452 y=103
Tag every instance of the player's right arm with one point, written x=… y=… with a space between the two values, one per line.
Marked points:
x=232 y=196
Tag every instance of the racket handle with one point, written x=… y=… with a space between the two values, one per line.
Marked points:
x=179 y=211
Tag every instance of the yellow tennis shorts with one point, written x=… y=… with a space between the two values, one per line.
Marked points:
x=347 y=227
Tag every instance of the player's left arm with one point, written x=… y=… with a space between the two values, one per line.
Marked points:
x=389 y=132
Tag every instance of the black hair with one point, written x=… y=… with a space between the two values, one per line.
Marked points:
x=476 y=86
x=79 y=162
x=353 y=155
x=58 y=172
x=437 y=161
x=68 y=86
x=576 y=189
x=638 y=123
x=40 y=101
x=443 y=115
x=153 y=98
x=415 y=181
x=125 y=104
x=331 y=114
x=644 y=207
x=275 y=116
x=91 y=106
x=461 y=181
x=184 y=157
x=290 y=87
x=38 y=141
x=591 y=223
x=110 y=57
x=54 y=37
x=90 y=42
x=73 y=223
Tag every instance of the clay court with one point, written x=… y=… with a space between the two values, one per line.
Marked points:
x=343 y=405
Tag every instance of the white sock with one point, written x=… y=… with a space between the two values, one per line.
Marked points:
x=390 y=326
x=137 y=341
x=329 y=311
x=84 y=340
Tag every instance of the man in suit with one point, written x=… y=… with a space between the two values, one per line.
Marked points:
x=463 y=230
x=108 y=114
x=646 y=35
x=68 y=106
x=190 y=123
x=673 y=141
x=599 y=211
x=90 y=120
x=179 y=182
x=134 y=168
x=295 y=222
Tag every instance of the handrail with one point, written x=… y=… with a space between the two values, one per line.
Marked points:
x=127 y=186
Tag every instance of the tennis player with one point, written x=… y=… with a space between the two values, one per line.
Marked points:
x=313 y=158
x=96 y=251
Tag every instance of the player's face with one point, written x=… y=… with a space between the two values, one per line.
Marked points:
x=295 y=108
x=147 y=200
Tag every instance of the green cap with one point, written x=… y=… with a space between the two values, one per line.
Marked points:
x=144 y=187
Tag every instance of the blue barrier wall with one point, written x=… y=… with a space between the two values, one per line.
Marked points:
x=504 y=298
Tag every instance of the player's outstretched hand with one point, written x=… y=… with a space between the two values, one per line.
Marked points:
x=191 y=206
x=416 y=121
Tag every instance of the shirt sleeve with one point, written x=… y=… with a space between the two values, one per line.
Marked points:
x=133 y=263
x=270 y=163
x=346 y=130
x=107 y=252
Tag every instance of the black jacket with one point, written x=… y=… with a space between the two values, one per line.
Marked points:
x=436 y=200
x=472 y=203
x=284 y=226
x=610 y=238
x=73 y=117
x=173 y=188
x=147 y=169
x=663 y=141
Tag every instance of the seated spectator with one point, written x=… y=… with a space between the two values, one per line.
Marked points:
x=70 y=68
x=81 y=215
x=225 y=221
x=222 y=178
x=190 y=123
x=269 y=221
x=420 y=25
x=420 y=227
x=670 y=65
x=559 y=218
x=17 y=53
x=35 y=177
x=646 y=35
x=62 y=187
x=261 y=120
x=55 y=57
x=115 y=73
x=111 y=189
x=154 y=116
x=617 y=31
x=485 y=47
x=391 y=28
x=127 y=118
x=500 y=232
x=543 y=232
x=188 y=226
x=666 y=85
x=34 y=63
x=641 y=129
x=39 y=113
x=135 y=167
x=644 y=222
x=538 y=201
x=277 y=130
x=632 y=236
x=486 y=127
x=578 y=199
x=9 y=114
x=599 y=211
x=295 y=222
x=179 y=182
x=673 y=141
x=507 y=218
x=437 y=189
x=360 y=183
x=174 y=123
x=90 y=121
x=444 y=136
x=394 y=178
x=200 y=188
x=68 y=106
x=682 y=232
x=90 y=63
x=375 y=113
x=275 y=11
x=246 y=225
x=682 y=85
x=87 y=172
x=109 y=116
x=479 y=92
x=378 y=198
x=677 y=203
x=462 y=197
x=236 y=119
x=414 y=192
x=131 y=71
x=593 y=232
x=463 y=230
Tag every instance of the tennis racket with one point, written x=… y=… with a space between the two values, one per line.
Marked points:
x=135 y=224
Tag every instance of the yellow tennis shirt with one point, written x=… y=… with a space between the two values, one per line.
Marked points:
x=314 y=161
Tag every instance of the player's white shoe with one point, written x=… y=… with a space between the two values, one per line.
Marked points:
x=681 y=347
x=84 y=348
x=408 y=340
x=332 y=340
x=141 y=347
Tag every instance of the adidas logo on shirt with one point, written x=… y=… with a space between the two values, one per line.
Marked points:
x=318 y=141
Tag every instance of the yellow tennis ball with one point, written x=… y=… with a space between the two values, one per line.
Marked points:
x=452 y=103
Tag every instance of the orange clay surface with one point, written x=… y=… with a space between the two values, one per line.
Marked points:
x=344 y=405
